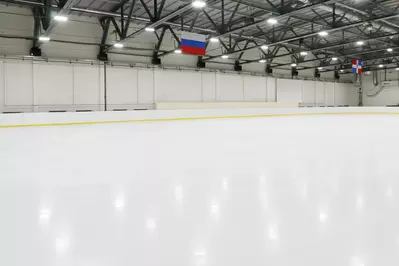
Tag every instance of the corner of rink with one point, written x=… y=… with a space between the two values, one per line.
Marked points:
x=218 y=112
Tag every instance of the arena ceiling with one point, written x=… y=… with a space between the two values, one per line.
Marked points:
x=314 y=34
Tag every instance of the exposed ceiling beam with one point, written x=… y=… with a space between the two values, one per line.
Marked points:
x=140 y=19
x=279 y=17
x=304 y=36
x=335 y=45
x=62 y=12
x=157 y=23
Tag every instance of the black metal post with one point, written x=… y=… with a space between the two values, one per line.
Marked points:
x=223 y=25
x=105 y=86
x=334 y=17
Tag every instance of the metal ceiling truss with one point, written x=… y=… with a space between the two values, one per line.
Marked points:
x=240 y=26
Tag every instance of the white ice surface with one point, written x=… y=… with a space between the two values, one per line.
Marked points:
x=278 y=191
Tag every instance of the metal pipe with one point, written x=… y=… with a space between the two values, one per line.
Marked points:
x=375 y=78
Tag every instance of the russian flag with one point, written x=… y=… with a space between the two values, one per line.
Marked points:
x=357 y=66
x=192 y=43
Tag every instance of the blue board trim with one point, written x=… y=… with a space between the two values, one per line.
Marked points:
x=192 y=43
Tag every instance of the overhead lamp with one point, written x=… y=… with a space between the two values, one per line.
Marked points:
x=323 y=33
x=293 y=64
x=303 y=53
x=272 y=21
x=320 y=68
x=264 y=47
x=118 y=45
x=149 y=29
x=225 y=56
x=262 y=61
x=178 y=51
x=214 y=40
x=381 y=66
x=334 y=59
x=341 y=70
x=359 y=43
x=389 y=49
x=60 y=18
x=44 y=38
x=397 y=69
x=199 y=4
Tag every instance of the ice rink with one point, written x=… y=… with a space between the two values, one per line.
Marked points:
x=320 y=190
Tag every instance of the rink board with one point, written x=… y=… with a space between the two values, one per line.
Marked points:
x=285 y=188
x=51 y=119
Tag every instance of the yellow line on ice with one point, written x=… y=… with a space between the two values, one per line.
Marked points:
x=189 y=118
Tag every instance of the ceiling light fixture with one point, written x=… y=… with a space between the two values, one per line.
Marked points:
x=262 y=61
x=272 y=21
x=214 y=40
x=118 y=45
x=381 y=66
x=199 y=4
x=44 y=38
x=341 y=70
x=303 y=53
x=293 y=64
x=389 y=49
x=359 y=42
x=334 y=59
x=60 y=18
x=225 y=56
x=264 y=47
x=177 y=51
x=320 y=68
x=149 y=29
x=323 y=33
x=397 y=69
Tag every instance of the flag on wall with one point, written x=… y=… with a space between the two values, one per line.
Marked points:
x=357 y=66
x=193 y=43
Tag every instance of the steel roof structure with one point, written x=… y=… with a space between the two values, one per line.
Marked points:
x=242 y=26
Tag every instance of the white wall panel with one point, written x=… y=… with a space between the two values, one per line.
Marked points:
x=329 y=93
x=18 y=83
x=53 y=84
x=271 y=89
x=121 y=85
x=208 y=87
x=387 y=95
x=2 y=86
x=320 y=92
x=352 y=95
x=340 y=94
x=289 y=91
x=230 y=88
x=177 y=86
x=146 y=86
x=86 y=84
x=48 y=86
x=255 y=89
x=308 y=93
